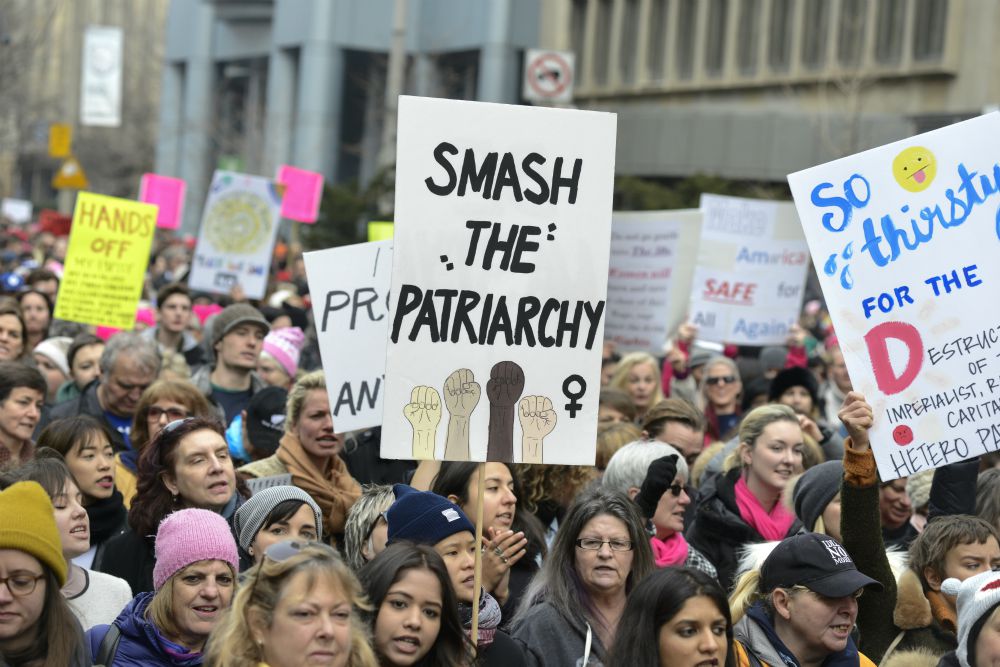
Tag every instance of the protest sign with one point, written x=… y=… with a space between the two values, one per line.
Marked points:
x=303 y=193
x=752 y=264
x=350 y=300
x=167 y=194
x=503 y=216
x=106 y=260
x=905 y=239
x=649 y=279
x=379 y=231
x=17 y=211
x=101 y=79
x=237 y=234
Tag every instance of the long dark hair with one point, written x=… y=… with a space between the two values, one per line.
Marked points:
x=153 y=500
x=451 y=648
x=660 y=598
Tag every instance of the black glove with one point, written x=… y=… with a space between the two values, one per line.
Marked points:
x=659 y=477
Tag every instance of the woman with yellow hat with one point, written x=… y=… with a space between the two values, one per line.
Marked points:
x=37 y=627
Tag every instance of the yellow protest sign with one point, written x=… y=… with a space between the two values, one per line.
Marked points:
x=106 y=261
x=60 y=140
x=380 y=231
x=70 y=176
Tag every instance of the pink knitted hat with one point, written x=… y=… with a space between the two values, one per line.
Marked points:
x=188 y=536
x=285 y=345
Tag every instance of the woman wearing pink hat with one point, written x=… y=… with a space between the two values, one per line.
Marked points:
x=279 y=357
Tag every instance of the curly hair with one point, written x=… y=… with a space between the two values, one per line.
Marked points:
x=551 y=483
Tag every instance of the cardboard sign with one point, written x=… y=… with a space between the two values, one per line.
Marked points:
x=17 y=211
x=649 y=279
x=499 y=282
x=167 y=194
x=106 y=261
x=237 y=234
x=752 y=264
x=350 y=300
x=303 y=193
x=380 y=231
x=905 y=240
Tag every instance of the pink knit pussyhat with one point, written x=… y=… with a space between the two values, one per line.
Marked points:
x=285 y=346
x=188 y=536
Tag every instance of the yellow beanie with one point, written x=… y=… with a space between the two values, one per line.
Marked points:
x=28 y=524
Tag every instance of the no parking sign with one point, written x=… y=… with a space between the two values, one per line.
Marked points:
x=548 y=76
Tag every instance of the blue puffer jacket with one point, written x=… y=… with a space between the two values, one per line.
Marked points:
x=141 y=644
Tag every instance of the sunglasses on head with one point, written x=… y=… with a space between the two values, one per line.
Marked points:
x=723 y=379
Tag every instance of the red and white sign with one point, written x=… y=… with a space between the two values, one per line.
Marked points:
x=548 y=76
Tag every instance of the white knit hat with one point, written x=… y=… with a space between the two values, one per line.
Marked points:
x=977 y=597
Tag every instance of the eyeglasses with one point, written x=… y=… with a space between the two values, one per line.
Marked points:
x=723 y=379
x=594 y=544
x=21 y=585
x=173 y=414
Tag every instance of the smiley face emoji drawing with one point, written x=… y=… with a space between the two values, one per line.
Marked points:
x=914 y=169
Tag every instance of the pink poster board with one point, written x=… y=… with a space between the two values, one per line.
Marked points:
x=303 y=191
x=168 y=194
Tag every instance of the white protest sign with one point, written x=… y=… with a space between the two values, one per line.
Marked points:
x=350 y=300
x=17 y=211
x=649 y=278
x=237 y=234
x=905 y=239
x=502 y=221
x=101 y=79
x=752 y=264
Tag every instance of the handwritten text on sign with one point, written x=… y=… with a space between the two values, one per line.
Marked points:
x=499 y=282
x=905 y=238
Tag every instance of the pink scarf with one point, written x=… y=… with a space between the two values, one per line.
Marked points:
x=771 y=525
x=671 y=551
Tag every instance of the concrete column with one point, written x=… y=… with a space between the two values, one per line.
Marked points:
x=197 y=112
x=170 y=126
x=320 y=89
x=425 y=79
x=282 y=79
x=497 y=57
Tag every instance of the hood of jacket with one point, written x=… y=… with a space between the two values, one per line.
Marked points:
x=142 y=641
x=913 y=609
x=756 y=642
x=914 y=658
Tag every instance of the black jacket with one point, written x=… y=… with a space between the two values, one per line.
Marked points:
x=129 y=557
x=84 y=404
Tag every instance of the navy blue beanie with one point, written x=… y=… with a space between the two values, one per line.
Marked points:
x=423 y=517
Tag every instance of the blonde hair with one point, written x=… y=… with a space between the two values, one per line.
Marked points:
x=611 y=438
x=233 y=643
x=160 y=611
x=747 y=592
x=297 y=396
x=620 y=379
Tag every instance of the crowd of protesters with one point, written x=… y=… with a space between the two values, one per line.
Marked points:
x=734 y=514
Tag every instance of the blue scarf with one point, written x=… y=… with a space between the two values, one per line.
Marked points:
x=846 y=658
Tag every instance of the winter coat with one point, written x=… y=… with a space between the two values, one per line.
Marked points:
x=141 y=644
x=916 y=658
x=552 y=640
x=753 y=648
x=192 y=352
x=202 y=378
x=84 y=404
x=129 y=557
x=719 y=530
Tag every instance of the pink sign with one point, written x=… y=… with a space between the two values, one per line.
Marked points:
x=168 y=194
x=303 y=190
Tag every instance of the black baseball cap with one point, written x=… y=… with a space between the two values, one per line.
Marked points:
x=816 y=561
x=266 y=419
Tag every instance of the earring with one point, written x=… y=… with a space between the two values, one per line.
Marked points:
x=175 y=499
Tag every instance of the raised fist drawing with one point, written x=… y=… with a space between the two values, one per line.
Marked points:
x=538 y=419
x=503 y=389
x=424 y=414
x=461 y=395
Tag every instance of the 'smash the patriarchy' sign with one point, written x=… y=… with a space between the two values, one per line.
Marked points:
x=499 y=281
x=905 y=239
x=752 y=264
x=236 y=239
x=106 y=261
x=350 y=300
x=649 y=277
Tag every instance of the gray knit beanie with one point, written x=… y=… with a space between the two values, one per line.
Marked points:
x=249 y=518
x=815 y=489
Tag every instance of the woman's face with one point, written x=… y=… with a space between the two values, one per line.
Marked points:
x=301 y=525
x=894 y=504
x=604 y=571
x=11 y=338
x=823 y=624
x=831 y=518
x=640 y=383
x=202 y=592
x=499 y=501
x=798 y=399
x=459 y=554
x=315 y=427
x=669 y=516
x=775 y=456
x=695 y=636
x=271 y=372
x=54 y=377
x=722 y=385
x=310 y=625
x=19 y=414
x=162 y=412
x=19 y=614
x=86 y=364
x=203 y=474
x=375 y=544
x=72 y=521
x=36 y=313
x=92 y=464
x=409 y=618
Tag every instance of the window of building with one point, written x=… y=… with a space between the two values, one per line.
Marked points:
x=746 y=37
x=779 y=47
x=889 y=31
x=929 y=26
x=656 y=39
x=578 y=31
x=602 y=41
x=687 y=23
x=627 y=45
x=715 y=41
x=851 y=32
x=815 y=27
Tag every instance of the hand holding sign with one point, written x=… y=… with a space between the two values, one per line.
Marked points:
x=504 y=388
x=461 y=395
x=857 y=417
x=424 y=414
x=538 y=419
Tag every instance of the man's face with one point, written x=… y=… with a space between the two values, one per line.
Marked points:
x=838 y=370
x=175 y=312
x=240 y=348
x=685 y=439
x=121 y=389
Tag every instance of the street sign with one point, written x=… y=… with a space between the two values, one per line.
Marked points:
x=70 y=176
x=548 y=76
x=60 y=140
